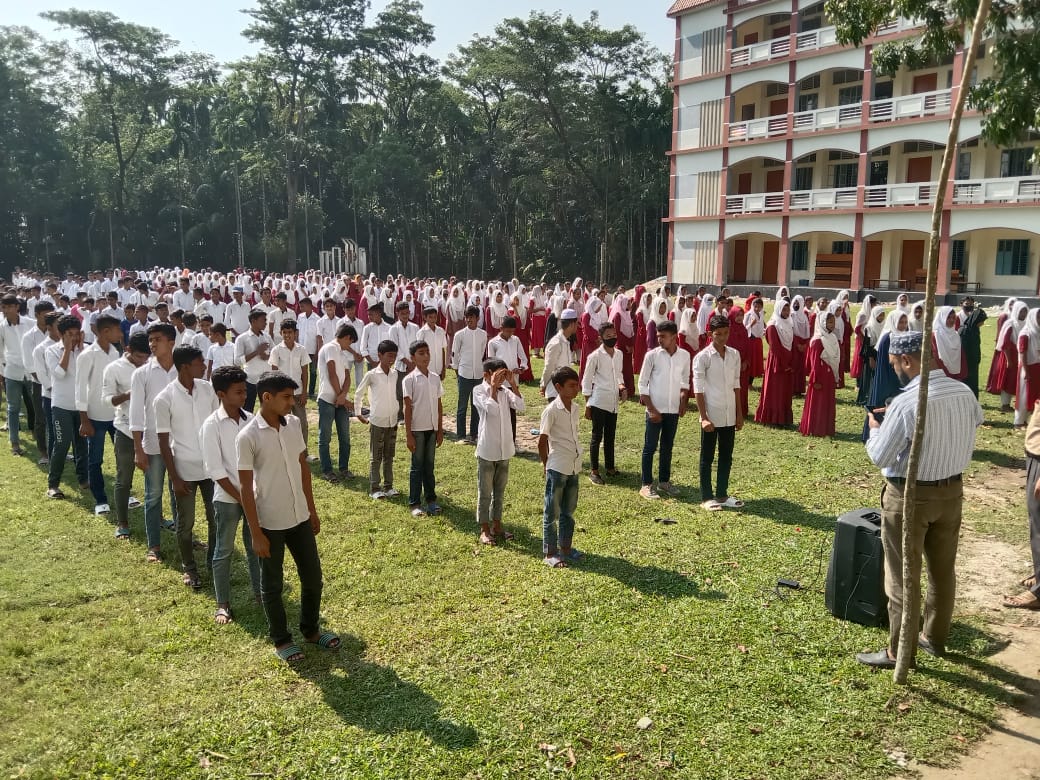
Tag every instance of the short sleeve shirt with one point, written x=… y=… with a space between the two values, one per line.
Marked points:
x=273 y=455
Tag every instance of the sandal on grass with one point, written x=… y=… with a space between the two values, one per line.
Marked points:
x=418 y=511
x=1028 y=582
x=169 y=525
x=731 y=503
x=711 y=505
x=223 y=616
x=192 y=580
x=574 y=554
x=554 y=562
x=486 y=538
x=327 y=640
x=291 y=653
x=123 y=534
x=153 y=556
x=434 y=509
x=501 y=533
x=1023 y=601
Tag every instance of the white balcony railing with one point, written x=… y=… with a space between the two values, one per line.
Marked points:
x=755 y=204
x=1020 y=189
x=766 y=127
x=896 y=26
x=760 y=52
x=823 y=200
x=828 y=118
x=910 y=106
x=886 y=195
x=816 y=39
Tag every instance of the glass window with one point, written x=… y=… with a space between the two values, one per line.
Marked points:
x=959 y=255
x=799 y=255
x=848 y=96
x=882 y=90
x=844 y=175
x=963 y=166
x=808 y=102
x=1016 y=162
x=878 y=173
x=1013 y=257
x=803 y=179
x=841 y=247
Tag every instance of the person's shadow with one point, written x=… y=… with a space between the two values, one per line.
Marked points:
x=789 y=513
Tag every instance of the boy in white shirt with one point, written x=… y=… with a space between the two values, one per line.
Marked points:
x=334 y=404
x=95 y=416
x=61 y=361
x=424 y=427
x=664 y=385
x=437 y=340
x=292 y=359
x=350 y=318
x=220 y=352
x=43 y=374
x=307 y=325
x=253 y=353
x=467 y=356
x=603 y=386
x=495 y=397
x=560 y=452
x=380 y=384
x=507 y=348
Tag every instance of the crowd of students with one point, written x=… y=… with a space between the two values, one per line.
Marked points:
x=170 y=367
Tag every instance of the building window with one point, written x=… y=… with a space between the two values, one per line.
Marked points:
x=799 y=255
x=1013 y=257
x=810 y=82
x=775 y=88
x=878 y=173
x=1016 y=162
x=841 y=247
x=844 y=175
x=847 y=76
x=808 y=102
x=848 y=96
x=959 y=256
x=963 y=166
x=882 y=90
x=802 y=179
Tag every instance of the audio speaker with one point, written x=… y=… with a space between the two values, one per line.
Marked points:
x=856 y=575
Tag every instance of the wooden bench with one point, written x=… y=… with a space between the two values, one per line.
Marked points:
x=833 y=271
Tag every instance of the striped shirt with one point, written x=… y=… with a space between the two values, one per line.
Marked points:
x=954 y=415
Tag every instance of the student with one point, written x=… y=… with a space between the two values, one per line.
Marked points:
x=291 y=358
x=603 y=385
x=95 y=414
x=495 y=397
x=824 y=366
x=334 y=404
x=774 y=405
x=664 y=386
x=236 y=313
x=325 y=327
x=180 y=410
x=220 y=352
x=424 y=428
x=115 y=391
x=307 y=324
x=558 y=350
x=202 y=340
x=380 y=384
x=467 y=355
x=437 y=340
x=141 y=321
x=253 y=353
x=375 y=333
x=220 y=461
x=508 y=348
x=30 y=341
x=403 y=333
x=61 y=359
x=279 y=506
x=560 y=452
x=43 y=373
x=717 y=387
x=13 y=328
x=350 y=318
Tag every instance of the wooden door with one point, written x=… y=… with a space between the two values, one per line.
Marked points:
x=782 y=32
x=911 y=261
x=778 y=107
x=770 y=261
x=929 y=82
x=750 y=38
x=919 y=169
x=740 y=255
x=872 y=262
x=744 y=184
x=775 y=180
x=747 y=112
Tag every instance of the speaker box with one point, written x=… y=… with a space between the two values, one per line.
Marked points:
x=856 y=575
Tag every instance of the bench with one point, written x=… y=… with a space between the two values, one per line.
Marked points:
x=833 y=271
x=888 y=284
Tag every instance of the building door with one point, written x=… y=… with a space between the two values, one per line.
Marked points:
x=919 y=169
x=911 y=261
x=740 y=255
x=929 y=82
x=747 y=113
x=778 y=107
x=775 y=180
x=782 y=32
x=770 y=261
x=744 y=184
x=872 y=262
x=750 y=38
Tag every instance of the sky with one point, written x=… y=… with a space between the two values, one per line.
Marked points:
x=214 y=26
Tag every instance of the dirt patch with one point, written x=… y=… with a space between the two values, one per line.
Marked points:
x=994 y=489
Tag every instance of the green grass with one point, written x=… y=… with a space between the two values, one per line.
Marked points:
x=461 y=661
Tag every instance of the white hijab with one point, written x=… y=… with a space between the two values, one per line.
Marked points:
x=1032 y=333
x=619 y=308
x=754 y=323
x=704 y=312
x=831 y=354
x=917 y=323
x=948 y=340
x=874 y=329
x=799 y=319
x=1014 y=325
x=869 y=302
x=892 y=321
x=659 y=311
x=784 y=326
x=688 y=326
x=597 y=310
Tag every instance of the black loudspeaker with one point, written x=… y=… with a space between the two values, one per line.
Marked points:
x=856 y=576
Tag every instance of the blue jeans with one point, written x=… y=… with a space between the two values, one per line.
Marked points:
x=420 y=477
x=561 y=499
x=664 y=432
x=466 y=399
x=327 y=415
x=17 y=392
x=153 y=490
x=66 y=434
x=96 y=456
x=226 y=518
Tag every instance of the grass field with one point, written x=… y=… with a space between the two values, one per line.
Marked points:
x=462 y=661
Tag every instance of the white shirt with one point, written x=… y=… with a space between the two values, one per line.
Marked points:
x=116 y=381
x=43 y=372
x=560 y=425
x=250 y=342
x=90 y=379
x=30 y=341
x=326 y=328
x=511 y=352
x=221 y=354
x=467 y=355
x=307 y=325
x=146 y=383
x=11 y=336
x=384 y=410
x=341 y=360
x=603 y=379
x=495 y=430
x=291 y=362
x=664 y=377
x=63 y=380
x=273 y=455
x=717 y=377
x=236 y=316
x=370 y=338
x=403 y=335
x=181 y=414
x=275 y=318
x=185 y=301
x=185 y=338
x=557 y=355
x=219 y=451
x=437 y=340
x=202 y=343
x=425 y=390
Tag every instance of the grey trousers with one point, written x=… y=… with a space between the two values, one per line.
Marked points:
x=1033 y=506
x=186 y=524
x=492 y=477
x=124 y=449
x=382 y=444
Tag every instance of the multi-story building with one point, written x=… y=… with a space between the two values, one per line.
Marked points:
x=794 y=162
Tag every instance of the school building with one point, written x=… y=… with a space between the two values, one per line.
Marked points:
x=793 y=162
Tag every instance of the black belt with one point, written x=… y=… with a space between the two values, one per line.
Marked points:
x=928 y=483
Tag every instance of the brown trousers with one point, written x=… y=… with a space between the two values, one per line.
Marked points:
x=937 y=530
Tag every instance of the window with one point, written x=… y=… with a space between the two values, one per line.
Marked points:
x=1013 y=257
x=810 y=82
x=692 y=46
x=775 y=19
x=878 y=173
x=844 y=175
x=882 y=90
x=963 y=166
x=848 y=96
x=802 y=179
x=847 y=76
x=813 y=23
x=775 y=89
x=799 y=255
x=959 y=256
x=838 y=154
x=921 y=146
x=1016 y=162
x=809 y=102
x=841 y=247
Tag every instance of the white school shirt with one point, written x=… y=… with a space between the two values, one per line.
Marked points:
x=403 y=336
x=273 y=455
x=355 y=345
x=276 y=317
x=425 y=390
x=511 y=352
x=290 y=362
x=63 y=380
x=384 y=410
x=307 y=325
x=370 y=338
x=341 y=360
x=219 y=451
x=560 y=425
x=717 y=377
x=146 y=383
x=11 y=336
x=557 y=355
x=139 y=327
x=663 y=377
x=181 y=414
x=30 y=341
x=603 y=379
x=437 y=340
x=236 y=316
x=495 y=429
x=43 y=372
x=116 y=381
x=250 y=342
x=202 y=343
x=185 y=338
x=467 y=353
x=221 y=354
x=185 y=301
x=326 y=328
x=90 y=378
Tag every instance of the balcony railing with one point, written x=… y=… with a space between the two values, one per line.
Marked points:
x=910 y=106
x=896 y=26
x=816 y=39
x=766 y=127
x=886 y=195
x=760 y=52
x=755 y=204
x=828 y=118
x=811 y=200
x=1020 y=189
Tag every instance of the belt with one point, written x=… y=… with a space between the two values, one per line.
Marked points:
x=955 y=479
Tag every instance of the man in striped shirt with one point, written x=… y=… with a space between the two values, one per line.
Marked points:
x=954 y=415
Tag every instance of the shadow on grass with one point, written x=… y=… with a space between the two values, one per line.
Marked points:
x=1002 y=459
x=788 y=512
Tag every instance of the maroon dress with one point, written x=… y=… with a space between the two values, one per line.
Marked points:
x=820 y=406
x=1003 y=377
x=774 y=407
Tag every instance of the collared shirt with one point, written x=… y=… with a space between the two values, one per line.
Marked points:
x=202 y=343
x=185 y=338
x=467 y=354
x=43 y=371
x=326 y=328
x=30 y=341
x=511 y=352
x=560 y=425
x=244 y=345
x=183 y=300
x=146 y=383
x=90 y=378
x=63 y=380
x=276 y=317
x=437 y=340
x=495 y=429
x=664 y=377
x=954 y=415
x=291 y=362
x=603 y=379
x=273 y=455
x=341 y=361
x=181 y=414
x=381 y=387
x=425 y=390
x=11 y=359
x=221 y=354
x=557 y=355
x=717 y=376
x=219 y=451
x=236 y=316
x=307 y=325
x=370 y=338
x=116 y=381
x=403 y=335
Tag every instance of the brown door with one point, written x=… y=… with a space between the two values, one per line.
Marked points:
x=872 y=262
x=770 y=261
x=747 y=113
x=744 y=184
x=750 y=38
x=778 y=107
x=775 y=180
x=782 y=32
x=919 y=169
x=911 y=261
x=929 y=82
x=740 y=255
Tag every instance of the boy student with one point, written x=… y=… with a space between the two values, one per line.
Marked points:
x=61 y=361
x=558 y=350
x=334 y=404
x=716 y=384
x=325 y=327
x=115 y=391
x=220 y=352
x=291 y=358
x=202 y=338
x=403 y=333
x=495 y=397
x=95 y=414
x=252 y=352
x=603 y=385
x=43 y=373
x=141 y=322
x=279 y=506
x=236 y=313
x=664 y=385
x=380 y=384
x=467 y=354
x=374 y=334
x=436 y=339
x=307 y=324
x=560 y=453
x=509 y=350
x=13 y=328
x=350 y=318
x=424 y=428
x=30 y=341
x=220 y=460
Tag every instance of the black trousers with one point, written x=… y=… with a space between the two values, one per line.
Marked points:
x=604 y=425
x=724 y=438
x=304 y=551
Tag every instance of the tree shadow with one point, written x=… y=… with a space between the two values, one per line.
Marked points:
x=789 y=513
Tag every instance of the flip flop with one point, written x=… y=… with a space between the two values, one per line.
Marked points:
x=1014 y=602
x=192 y=580
x=732 y=503
x=1028 y=582
x=123 y=534
x=418 y=511
x=153 y=556
x=711 y=505
x=487 y=539
x=554 y=562
x=574 y=555
x=327 y=641
x=506 y=536
x=291 y=653
x=223 y=613
x=434 y=509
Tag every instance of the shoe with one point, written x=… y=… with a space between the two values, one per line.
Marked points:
x=55 y=493
x=647 y=491
x=17 y=452
x=329 y=477
x=880 y=660
x=377 y=495
x=347 y=474
x=312 y=458
x=470 y=441
x=936 y=651
x=133 y=503
x=43 y=462
x=434 y=509
x=668 y=489
x=102 y=509
x=391 y=493
x=596 y=479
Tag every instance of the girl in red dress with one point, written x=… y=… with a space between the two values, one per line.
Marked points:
x=738 y=339
x=643 y=300
x=843 y=330
x=539 y=316
x=802 y=334
x=755 y=325
x=523 y=332
x=774 y=407
x=594 y=316
x=1005 y=312
x=869 y=302
x=825 y=359
x=704 y=314
x=624 y=327
x=1004 y=380
x=1029 y=360
x=497 y=310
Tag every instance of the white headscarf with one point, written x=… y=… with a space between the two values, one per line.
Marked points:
x=917 y=323
x=869 y=302
x=799 y=319
x=688 y=325
x=892 y=321
x=620 y=308
x=873 y=329
x=1032 y=332
x=1014 y=325
x=597 y=310
x=831 y=346
x=947 y=339
x=659 y=310
x=903 y=307
x=754 y=323
x=704 y=312
x=784 y=326
x=499 y=309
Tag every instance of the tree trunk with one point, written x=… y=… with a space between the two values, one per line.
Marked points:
x=911 y=573
x=290 y=221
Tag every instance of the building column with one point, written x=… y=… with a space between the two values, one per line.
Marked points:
x=672 y=163
x=721 y=256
